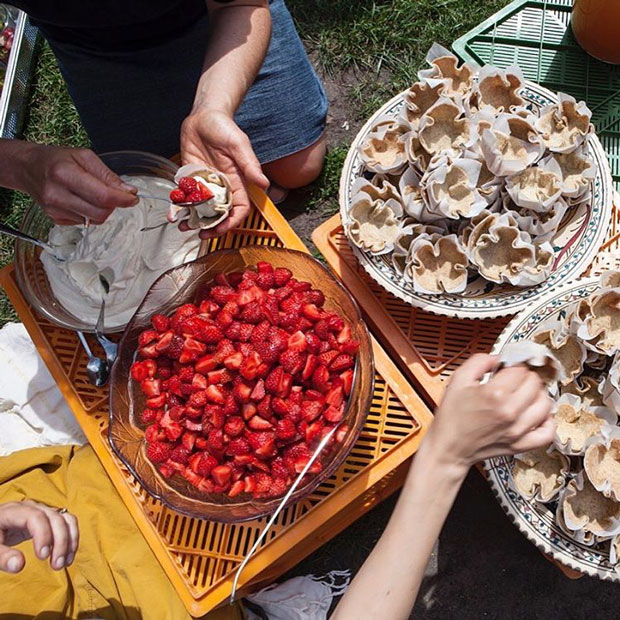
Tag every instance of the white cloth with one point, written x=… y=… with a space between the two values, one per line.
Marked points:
x=301 y=598
x=33 y=412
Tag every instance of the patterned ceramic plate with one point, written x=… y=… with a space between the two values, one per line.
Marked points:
x=576 y=242
x=537 y=521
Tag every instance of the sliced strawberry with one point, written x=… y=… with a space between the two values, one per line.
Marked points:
x=281 y=276
x=333 y=413
x=204 y=192
x=264 y=267
x=250 y=483
x=158 y=452
x=187 y=184
x=224 y=319
x=220 y=376
x=309 y=366
x=188 y=439
x=328 y=357
x=242 y=392
x=315 y=297
x=264 y=407
x=311 y=312
x=252 y=313
x=147 y=336
x=234 y=361
x=313 y=431
x=238 y=447
x=234 y=426
x=193 y=426
x=250 y=365
x=311 y=410
x=221 y=474
x=248 y=410
x=151 y=387
x=177 y=195
x=347 y=381
x=149 y=351
x=172 y=429
x=334 y=396
x=342 y=362
x=285 y=429
x=215 y=394
x=148 y=416
x=192 y=350
x=292 y=361
x=231 y=407
x=320 y=378
x=236 y=489
x=138 y=371
x=245 y=297
x=313 y=342
x=156 y=402
x=199 y=382
x=297 y=342
x=258 y=393
x=257 y=423
x=344 y=334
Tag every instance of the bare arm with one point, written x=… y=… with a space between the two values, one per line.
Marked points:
x=239 y=37
x=69 y=184
x=509 y=414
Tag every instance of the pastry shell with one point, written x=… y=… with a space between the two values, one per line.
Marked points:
x=540 y=474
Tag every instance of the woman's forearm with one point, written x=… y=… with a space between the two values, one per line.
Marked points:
x=14 y=166
x=388 y=582
x=238 y=41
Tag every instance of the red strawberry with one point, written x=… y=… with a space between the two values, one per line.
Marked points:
x=264 y=407
x=158 y=452
x=238 y=447
x=282 y=293
x=198 y=399
x=333 y=414
x=265 y=281
x=211 y=334
x=268 y=351
x=315 y=297
x=320 y=378
x=335 y=396
x=297 y=341
x=250 y=483
x=214 y=414
x=234 y=426
x=274 y=380
x=262 y=443
x=206 y=364
x=264 y=267
x=252 y=313
x=271 y=309
x=342 y=362
x=260 y=332
x=175 y=348
x=250 y=365
x=180 y=454
x=187 y=185
x=215 y=441
x=290 y=322
x=248 y=410
x=202 y=464
x=281 y=276
x=224 y=348
x=236 y=489
x=160 y=322
x=292 y=361
x=234 y=361
x=263 y=484
x=311 y=312
x=192 y=350
x=300 y=286
x=258 y=393
x=177 y=195
x=257 y=423
x=204 y=191
x=138 y=371
x=350 y=346
x=285 y=429
x=311 y=410
x=232 y=308
x=215 y=394
x=313 y=430
x=321 y=329
x=195 y=196
x=309 y=366
x=223 y=294
x=147 y=336
x=328 y=357
x=199 y=382
x=224 y=319
x=280 y=406
x=313 y=342
x=245 y=331
x=188 y=440
x=242 y=392
x=347 y=381
x=231 y=406
x=220 y=376
x=156 y=402
x=148 y=416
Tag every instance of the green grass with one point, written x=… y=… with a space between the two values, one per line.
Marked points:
x=383 y=42
x=324 y=195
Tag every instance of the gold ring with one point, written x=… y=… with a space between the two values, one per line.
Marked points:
x=62 y=511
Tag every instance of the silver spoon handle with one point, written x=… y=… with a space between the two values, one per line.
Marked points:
x=13 y=232
x=141 y=195
x=84 y=343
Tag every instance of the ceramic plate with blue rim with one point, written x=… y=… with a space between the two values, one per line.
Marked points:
x=576 y=243
x=535 y=520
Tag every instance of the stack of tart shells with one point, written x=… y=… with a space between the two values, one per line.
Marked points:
x=579 y=474
x=470 y=180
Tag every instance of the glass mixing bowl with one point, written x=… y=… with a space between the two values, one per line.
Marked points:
x=180 y=285
x=31 y=277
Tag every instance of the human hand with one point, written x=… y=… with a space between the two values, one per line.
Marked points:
x=511 y=413
x=73 y=184
x=212 y=137
x=54 y=534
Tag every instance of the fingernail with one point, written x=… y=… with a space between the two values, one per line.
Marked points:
x=70 y=558
x=44 y=552
x=60 y=562
x=13 y=564
x=129 y=188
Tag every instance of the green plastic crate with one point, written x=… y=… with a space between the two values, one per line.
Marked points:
x=536 y=35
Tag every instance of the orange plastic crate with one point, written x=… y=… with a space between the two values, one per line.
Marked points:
x=200 y=557
x=427 y=347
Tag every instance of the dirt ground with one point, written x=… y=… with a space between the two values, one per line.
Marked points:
x=482 y=566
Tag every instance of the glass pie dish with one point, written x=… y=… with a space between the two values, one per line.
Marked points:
x=30 y=272
x=181 y=285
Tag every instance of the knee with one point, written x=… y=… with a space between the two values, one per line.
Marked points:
x=298 y=169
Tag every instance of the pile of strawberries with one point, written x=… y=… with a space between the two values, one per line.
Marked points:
x=190 y=190
x=241 y=386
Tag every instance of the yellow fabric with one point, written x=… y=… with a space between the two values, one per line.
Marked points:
x=114 y=576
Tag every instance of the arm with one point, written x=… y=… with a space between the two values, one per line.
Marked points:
x=238 y=42
x=70 y=184
x=509 y=414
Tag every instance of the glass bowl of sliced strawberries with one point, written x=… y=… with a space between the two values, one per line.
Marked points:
x=229 y=375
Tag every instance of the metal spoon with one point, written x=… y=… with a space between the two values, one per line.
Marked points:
x=13 y=232
x=97 y=369
x=110 y=348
